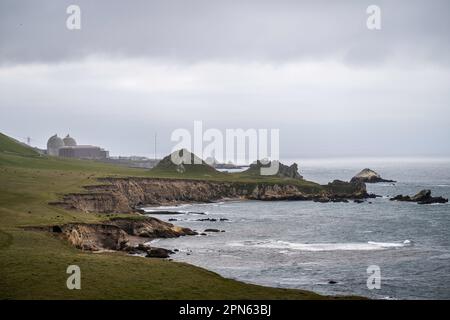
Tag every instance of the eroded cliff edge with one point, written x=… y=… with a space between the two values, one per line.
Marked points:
x=118 y=234
x=124 y=195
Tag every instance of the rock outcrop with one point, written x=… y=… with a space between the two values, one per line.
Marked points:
x=149 y=251
x=369 y=176
x=338 y=191
x=115 y=234
x=150 y=227
x=284 y=171
x=94 y=237
x=289 y=171
x=423 y=197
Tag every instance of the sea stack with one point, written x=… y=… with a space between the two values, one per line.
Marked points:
x=423 y=197
x=369 y=176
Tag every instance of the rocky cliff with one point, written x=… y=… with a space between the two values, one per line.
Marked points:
x=124 y=195
x=115 y=234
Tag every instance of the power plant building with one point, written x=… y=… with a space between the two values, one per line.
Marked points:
x=69 y=148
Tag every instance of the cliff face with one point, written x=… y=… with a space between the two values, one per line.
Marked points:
x=94 y=237
x=120 y=195
x=115 y=234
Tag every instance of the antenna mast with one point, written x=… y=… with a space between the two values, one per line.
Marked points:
x=155 y=147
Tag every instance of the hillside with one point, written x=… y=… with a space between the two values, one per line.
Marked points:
x=190 y=166
x=10 y=145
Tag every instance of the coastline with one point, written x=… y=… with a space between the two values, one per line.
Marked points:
x=33 y=264
x=32 y=182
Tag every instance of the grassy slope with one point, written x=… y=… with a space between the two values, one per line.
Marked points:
x=33 y=264
x=10 y=145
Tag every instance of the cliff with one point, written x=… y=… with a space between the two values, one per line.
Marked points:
x=115 y=234
x=124 y=195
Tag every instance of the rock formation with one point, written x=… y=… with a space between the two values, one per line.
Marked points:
x=423 y=197
x=338 y=191
x=94 y=237
x=116 y=234
x=284 y=171
x=149 y=251
x=150 y=227
x=369 y=176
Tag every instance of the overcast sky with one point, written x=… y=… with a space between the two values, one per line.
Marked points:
x=310 y=68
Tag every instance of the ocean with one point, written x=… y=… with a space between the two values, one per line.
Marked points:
x=327 y=247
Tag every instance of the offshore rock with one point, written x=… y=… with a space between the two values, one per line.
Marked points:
x=422 y=197
x=369 y=176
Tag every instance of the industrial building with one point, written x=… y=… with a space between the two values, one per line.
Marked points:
x=69 y=148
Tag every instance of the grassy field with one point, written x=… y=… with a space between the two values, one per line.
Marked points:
x=33 y=264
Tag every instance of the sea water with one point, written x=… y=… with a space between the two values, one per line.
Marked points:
x=307 y=245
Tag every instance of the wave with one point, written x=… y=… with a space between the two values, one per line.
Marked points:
x=315 y=247
x=160 y=208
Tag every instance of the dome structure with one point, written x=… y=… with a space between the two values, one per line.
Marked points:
x=53 y=145
x=69 y=141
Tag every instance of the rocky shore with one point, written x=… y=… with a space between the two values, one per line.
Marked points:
x=126 y=195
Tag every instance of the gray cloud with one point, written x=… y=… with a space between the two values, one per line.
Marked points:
x=310 y=68
x=199 y=30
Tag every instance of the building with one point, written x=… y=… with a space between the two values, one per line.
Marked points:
x=83 y=152
x=69 y=148
x=53 y=145
x=132 y=162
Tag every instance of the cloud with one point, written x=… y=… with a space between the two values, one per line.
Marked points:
x=321 y=107
x=310 y=68
x=244 y=30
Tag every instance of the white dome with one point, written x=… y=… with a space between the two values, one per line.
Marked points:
x=53 y=145
x=69 y=141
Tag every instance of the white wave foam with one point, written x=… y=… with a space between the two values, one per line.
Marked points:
x=160 y=208
x=371 y=245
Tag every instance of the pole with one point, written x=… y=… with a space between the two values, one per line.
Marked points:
x=155 y=147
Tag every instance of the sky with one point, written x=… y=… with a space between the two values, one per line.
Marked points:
x=311 y=69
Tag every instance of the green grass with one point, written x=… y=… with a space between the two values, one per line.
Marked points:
x=33 y=264
x=13 y=146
